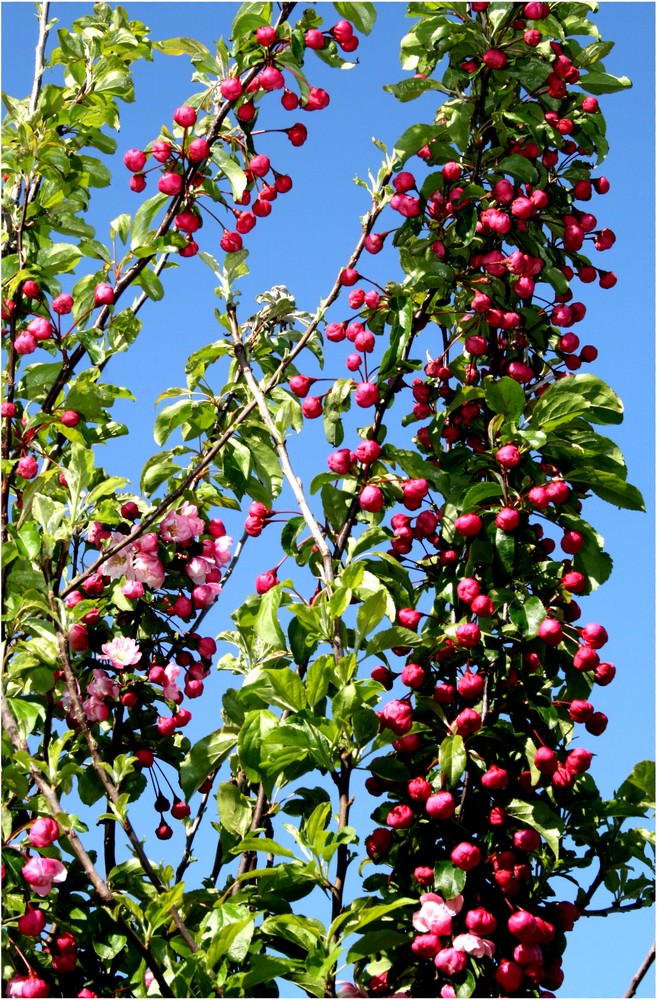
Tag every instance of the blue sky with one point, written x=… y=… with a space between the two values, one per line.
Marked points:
x=305 y=242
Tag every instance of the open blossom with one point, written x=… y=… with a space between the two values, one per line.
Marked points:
x=148 y=569
x=435 y=915
x=122 y=652
x=174 y=528
x=95 y=710
x=121 y=563
x=474 y=945
x=102 y=686
x=198 y=568
x=40 y=873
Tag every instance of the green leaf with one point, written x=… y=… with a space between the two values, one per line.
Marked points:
x=369 y=615
x=204 y=758
x=28 y=540
x=478 y=493
x=505 y=549
x=577 y=396
x=231 y=169
x=58 y=257
x=375 y=942
x=541 y=818
x=452 y=759
x=598 y=82
x=151 y=284
x=336 y=402
x=172 y=416
x=411 y=141
x=609 y=487
x=254 y=843
x=257 y=725
x=640 y=785
x=288 y=689
x=249 y=17
x=448 y=879
x=504 y=395
x=27 y=713
x=362 y=15
x=144 y=217
x=267 y=625
x=317 y=679
x=519 y=167
x=234 y=809
x=391 y=637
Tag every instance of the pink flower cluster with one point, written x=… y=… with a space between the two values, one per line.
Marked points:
x=434 y=922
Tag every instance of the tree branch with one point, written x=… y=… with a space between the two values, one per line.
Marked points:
x=641 y=972
x=39 y=55
x=103 y=891
x=111 y=790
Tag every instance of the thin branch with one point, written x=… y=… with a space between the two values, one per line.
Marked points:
x=111 y=790
x=256 y=820
x=641 y=972
x=104 y=893
x=39 y=55
x=279 y=443
x=606 y=911
x=189 y=839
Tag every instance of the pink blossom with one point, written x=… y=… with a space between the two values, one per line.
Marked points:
x=102 y=686
x=170 y=689
x=435 y=915
x=122 y=652
x=206 y=594
x=133 y=589
x=450 y=961
x=191 y=513
x=43 y=832
x=448 y=991
x=198 y=568
x=121 y=563
x=148 y=542
x=174 y=528
x=222 y=550
x=95 y=710
x=474 y=945
x=15 y=986
x=148 y=569
x=40 y=873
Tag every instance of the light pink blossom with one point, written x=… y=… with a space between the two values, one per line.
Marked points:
x=102 y=686
x=222 y=550
x=474 y=945
x=198 y=568
x=148 y=542
x=121 y=563
x=174 y=528
x=40 y=873
x=170 y=689
x=95 y=710
x=191 y=513
x=121 y=652
x=435 y=915
x=148 y=569
x=132 y=589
